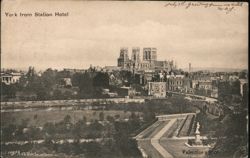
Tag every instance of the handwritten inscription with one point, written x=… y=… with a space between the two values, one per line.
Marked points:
x=227 y=7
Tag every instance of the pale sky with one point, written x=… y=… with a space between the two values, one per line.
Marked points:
x=94 y=32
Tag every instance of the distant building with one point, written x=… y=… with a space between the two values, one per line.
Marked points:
x=207 y=85
x=110 y=94
x=67 y=82
x=149 y=54
x=157 y=89
x=111 y=68
x=215 y=92
x=175 y=82
x=10 y=78
x=195 y=84
x=224 y=88
x=123 y=60
x=202 y=87
x=224 y=77
x=215 y=78
x=148 y=62
x=164 y=65
x=124 y=91
x=187 y=85
x=233 y=77
x=148 y=76
x=189 y=68
x=74 y=70
x=130 y=91
x=135 y=58
x=114 y=80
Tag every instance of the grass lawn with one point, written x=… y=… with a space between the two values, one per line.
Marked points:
x=150 y=130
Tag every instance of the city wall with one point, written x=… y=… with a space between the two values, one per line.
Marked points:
x=49 y=103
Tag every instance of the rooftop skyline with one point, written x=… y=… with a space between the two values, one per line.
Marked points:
x=93 y=33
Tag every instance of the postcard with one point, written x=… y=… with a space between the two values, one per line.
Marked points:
x=124 y=79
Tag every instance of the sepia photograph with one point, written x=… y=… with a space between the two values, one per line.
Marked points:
x=124 y=79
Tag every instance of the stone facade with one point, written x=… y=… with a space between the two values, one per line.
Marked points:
x=175 y=82
x=157 y=89
x=123 y=60
x=10 y=78
x=150 y=54
x=148 y=62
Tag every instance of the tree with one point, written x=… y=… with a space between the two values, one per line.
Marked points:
x=49 y=78
x=58 y=94
x=78 y=130
x=67 y=119
x=156 y=78
x=110 y=118
x=117 y=116
x=49 y=128
x=101 y=116
x=242 y=75
x=245 y=95
x=7 y=132
x=93 y=150
x=101 y=80
x=35 y=116
x=95 y=130
x=36 y=85
x=34 y=133
x=76 y=79
x=63 y=74
x=8 y=90
x=86 y=85
x=126 y=77
x=122 y=140
x=235 y=87
x=31 y=74
x=148 y=116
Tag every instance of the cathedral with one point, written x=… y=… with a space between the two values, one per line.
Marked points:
x=149 y=60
